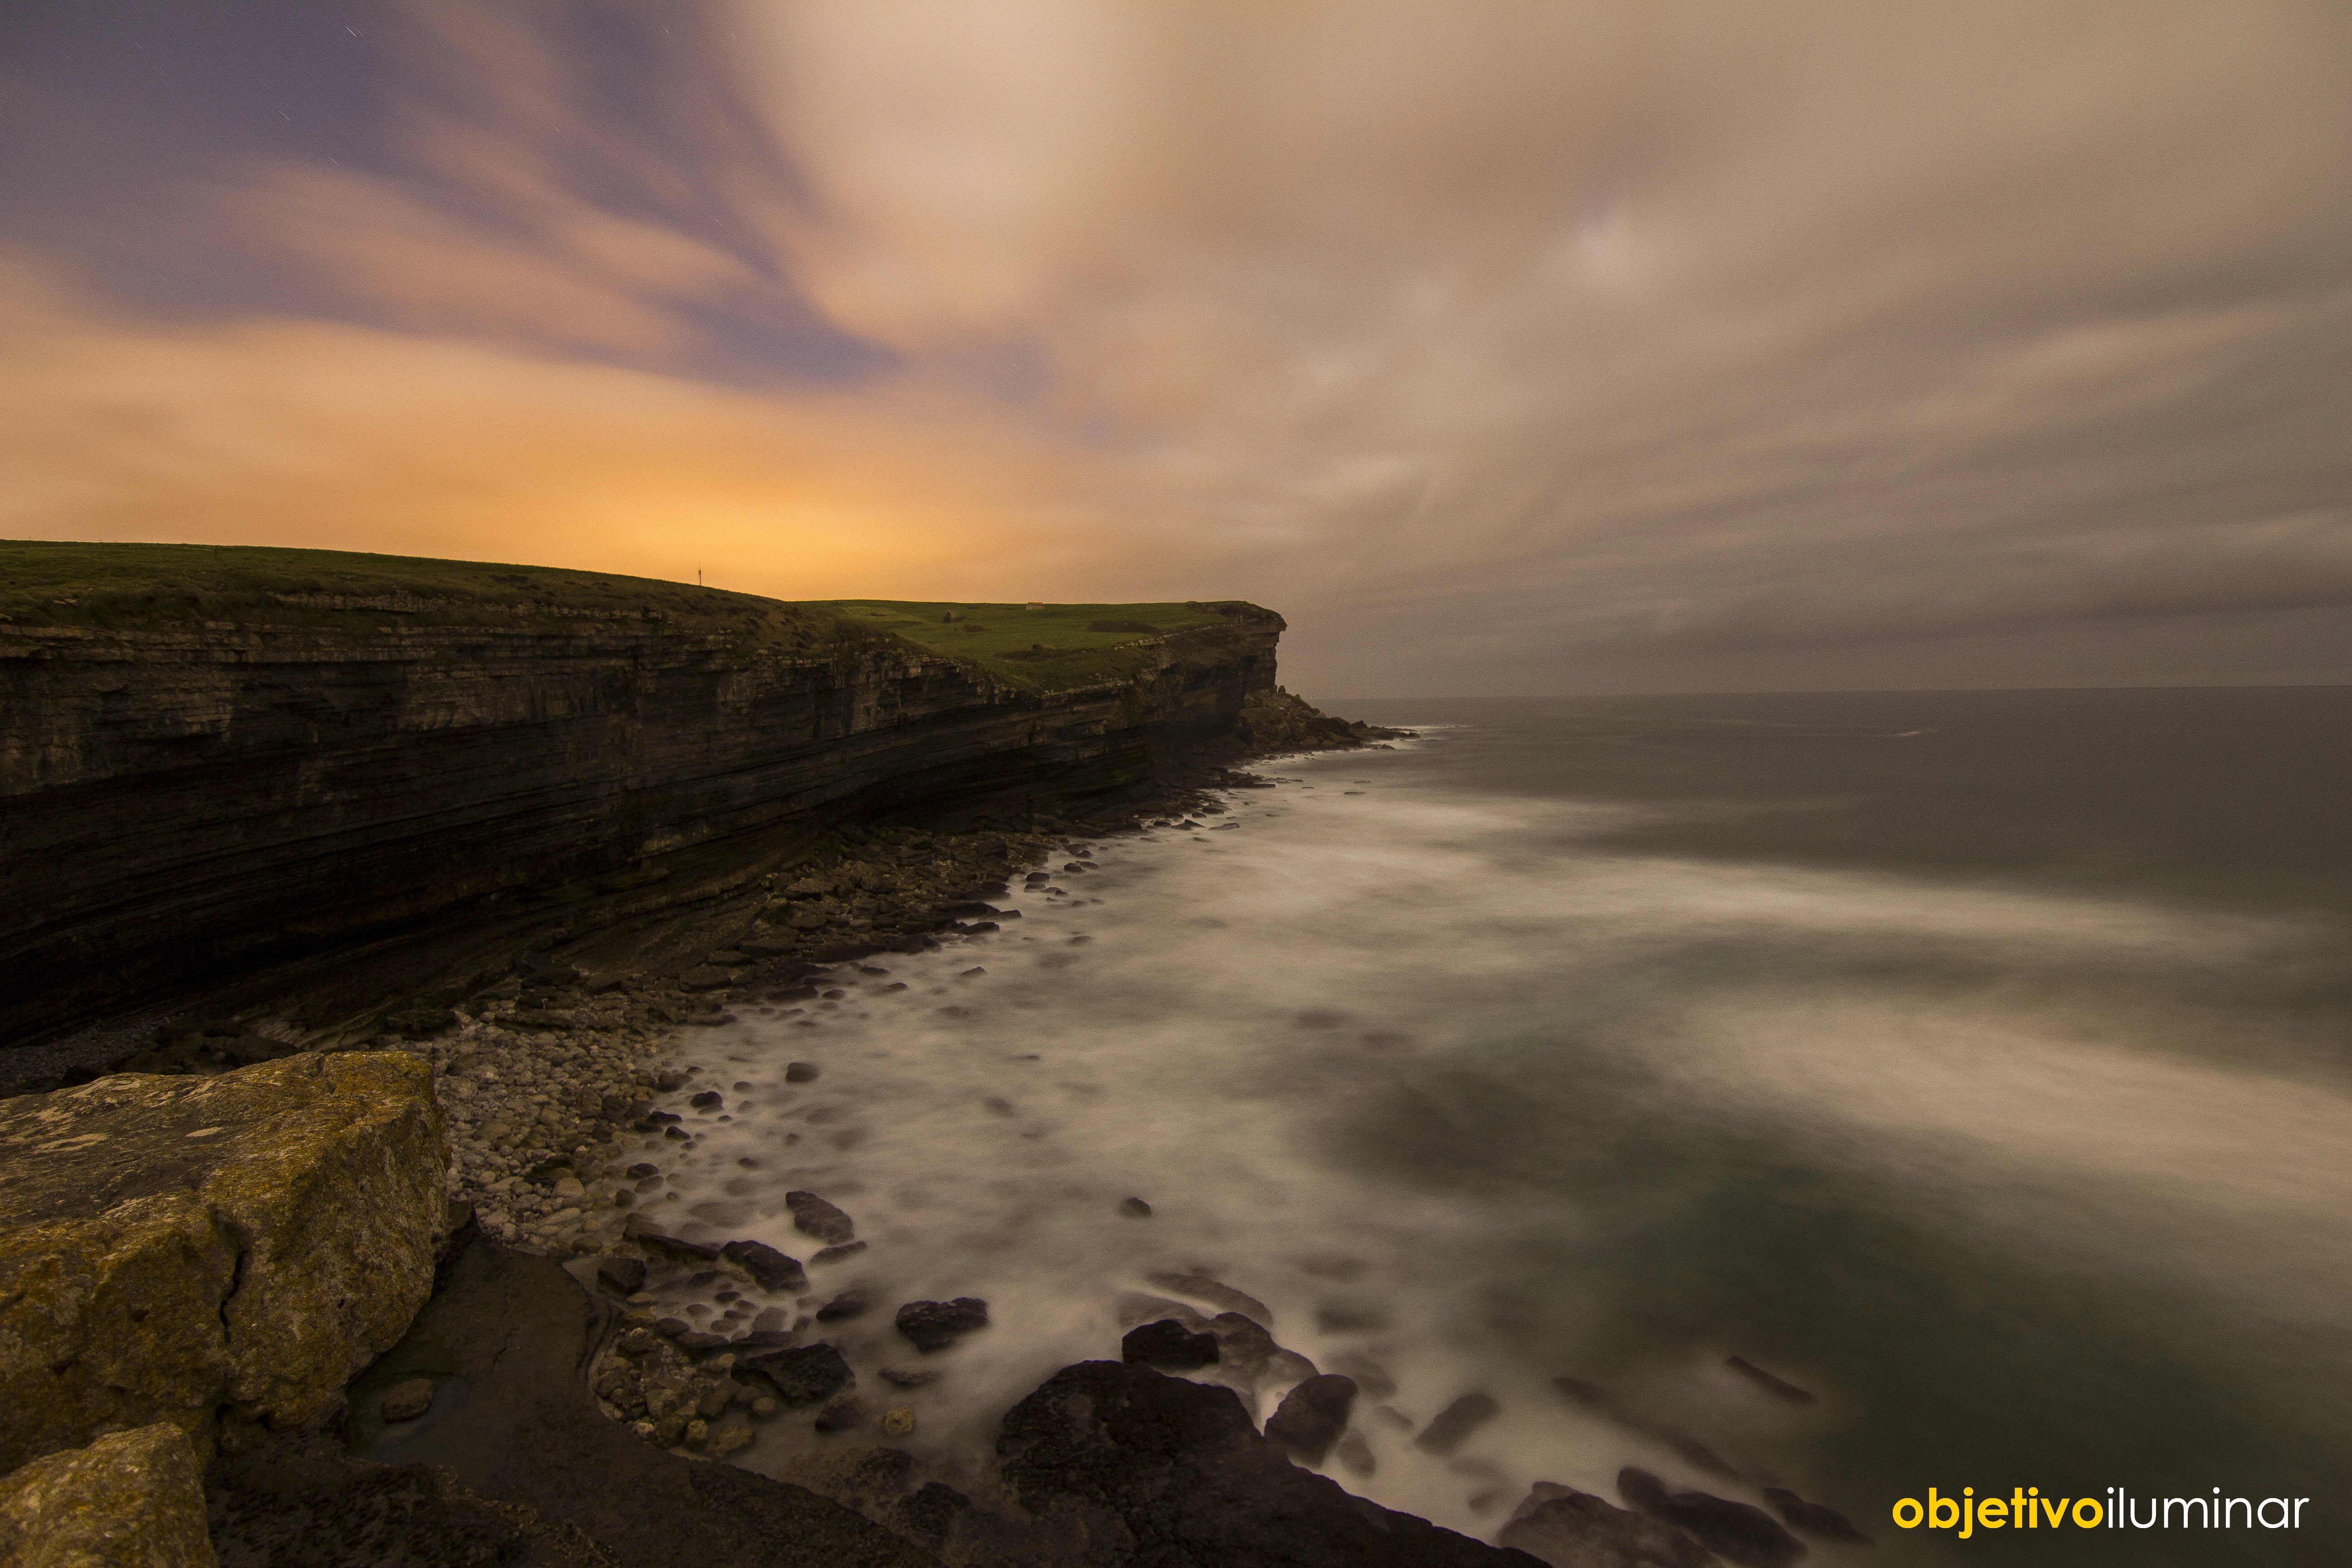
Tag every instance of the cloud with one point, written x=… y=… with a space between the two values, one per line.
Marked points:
x=1623 y=343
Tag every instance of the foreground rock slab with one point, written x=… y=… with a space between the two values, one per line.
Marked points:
x=1157 y=1470
x=513 y=1462
x=131 y=1499
x=216 y=1253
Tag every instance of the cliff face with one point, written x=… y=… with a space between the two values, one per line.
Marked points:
x=182 y=797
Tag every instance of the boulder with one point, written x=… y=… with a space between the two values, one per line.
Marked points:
x=1817 y=1519
x=1312 y=1416
x=1738 y=1532
x=935 y=1325
x=1570 y=1528
x=1456 y=1421
x=134 y=1497
x=1168 y=1345
x=773 y=1270
x=210 y=1252
x=1154 y=1469
x=801 y=1377
x=811 y=1216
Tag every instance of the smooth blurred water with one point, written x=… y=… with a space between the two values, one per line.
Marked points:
x=1982 y=1062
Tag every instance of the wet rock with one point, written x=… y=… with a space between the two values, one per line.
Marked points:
x=935 y=1325
x=801 y=1072
x=709 y=1099
x=407 y=1401
x=1739 y=1532
x=1224 y=1297
x=771 y=1270
x=1693 y=1452
x=731 y=1439
x=1312 y=1416
x=133 y=1497
x=624 y=1276
x=1248 y=1352
x=1173 y=1472
x=1570 y=1528
x=835 y=1254
x=911 y=1376
x=930 y=1514
x=848 y=1304
x=642 y=1231
x=800 y=1375
x=1456 y=1423
x=1169 y=1346
x=1135 y=1208
x=1779 y=1388
x=841 y=1413
x=1816 y=1520
x=898 y=1421
x=812 y=1217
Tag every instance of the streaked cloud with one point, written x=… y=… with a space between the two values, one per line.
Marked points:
x=1520 y=346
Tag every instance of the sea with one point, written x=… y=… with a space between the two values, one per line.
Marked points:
x=1978 y=1063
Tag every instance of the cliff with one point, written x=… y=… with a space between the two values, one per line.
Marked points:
x=215 y=759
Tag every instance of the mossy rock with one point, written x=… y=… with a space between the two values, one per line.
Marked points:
x=129 y=1498
x=210 y=1252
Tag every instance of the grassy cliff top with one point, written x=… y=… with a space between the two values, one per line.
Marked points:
x=1042 y=646
x=130 y=587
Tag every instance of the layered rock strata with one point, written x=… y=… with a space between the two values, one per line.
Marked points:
x=212 y=1253
x=185 y=798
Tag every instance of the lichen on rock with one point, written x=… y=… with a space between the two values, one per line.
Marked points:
x=210 y=1252
x=130 y=1499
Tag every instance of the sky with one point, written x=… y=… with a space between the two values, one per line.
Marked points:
x=1507 y=348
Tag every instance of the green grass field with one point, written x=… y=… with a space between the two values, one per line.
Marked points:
x=123 y=586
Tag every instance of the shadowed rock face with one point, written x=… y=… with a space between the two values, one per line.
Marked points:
x=1159 y=1470
x=185 y=798
x=195 y=1250
x=523 y=1468
x=1736 y=1531
x=1570 y=1528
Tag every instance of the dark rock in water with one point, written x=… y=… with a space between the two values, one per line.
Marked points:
x=702 y=1341
x=811 y=1216
x=1738 y=1532
x=848 y=1304
x=709 y=1099
x=1249 y=1352
x=802 y=1374
x=935 y=1325
x=840 y=1412
x=621 y=1276
x=930 y=1514
x=407 y=1401
x=1349 y=1318
x=835 y=1254
x=1570 y=1528
x=1158 y=1470
x=1224 y=1297
x=645 y=1168
x=1693 y=1452
x=1135 y=1208
x=1355 y=1456
x=669 y=1080
x=1169 y=1345
x=1312 y=1416
x=653 y=1238
x=799 y=1072
x=772 y=1270
x=1457 y=1422
x=1816 y=1520
x=1779 y=1387
x=911 y=1376
x=773 y=1319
